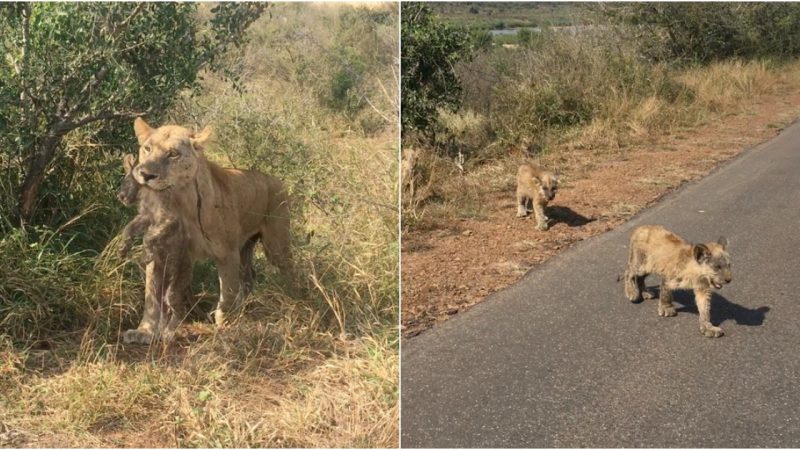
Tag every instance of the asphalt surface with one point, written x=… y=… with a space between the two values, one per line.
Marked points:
x=562 y=359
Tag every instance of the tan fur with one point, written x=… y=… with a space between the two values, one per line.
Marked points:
x=535 y=188
x=223 y=211
x=680 y=265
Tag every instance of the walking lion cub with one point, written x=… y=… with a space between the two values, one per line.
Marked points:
x=681 y=265
x=535 y=188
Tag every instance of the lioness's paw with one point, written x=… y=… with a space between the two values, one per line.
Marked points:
x=542 y=226
x=647 y=295
x=137 y=337
x=666 y=311
x=521 y=214
x=711 y=331
x=219 y=318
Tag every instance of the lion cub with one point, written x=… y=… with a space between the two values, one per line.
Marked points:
x=681 y=265
x=166 y=245
x=535 y=188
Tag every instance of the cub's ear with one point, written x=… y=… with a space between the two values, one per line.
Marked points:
x=723 y=241
x=701 y=253
x=200 y=138
x=128 y=162
x=142 y=130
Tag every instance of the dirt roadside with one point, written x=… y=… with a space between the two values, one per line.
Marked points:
x=458 y=264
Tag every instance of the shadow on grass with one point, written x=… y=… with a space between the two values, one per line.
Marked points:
x=564 y=214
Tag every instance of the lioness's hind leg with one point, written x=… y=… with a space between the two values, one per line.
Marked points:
x=665 y=307
x=277 y=240
x=248 y=272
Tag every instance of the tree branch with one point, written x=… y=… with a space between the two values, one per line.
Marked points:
x=69 y=125
x=99 y=76
x=122 y=25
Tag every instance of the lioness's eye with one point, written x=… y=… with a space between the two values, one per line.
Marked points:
x=173 y=154
x=146 y=149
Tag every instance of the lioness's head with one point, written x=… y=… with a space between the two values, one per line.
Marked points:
x=715 y=262
x=168 y=155
x=548 y=183
x=128 y=192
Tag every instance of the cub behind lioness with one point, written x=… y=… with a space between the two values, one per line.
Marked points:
x=681 y=265
x=535 y=188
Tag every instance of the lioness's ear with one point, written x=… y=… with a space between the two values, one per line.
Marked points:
x=200 y=138
x=142 y=130
x=128 y=162
x=723 y=241
x=701 y=253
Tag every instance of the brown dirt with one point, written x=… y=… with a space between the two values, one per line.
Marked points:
x=456 y=265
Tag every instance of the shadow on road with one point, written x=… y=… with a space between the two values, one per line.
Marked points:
x=563 y=214
x=722 y=309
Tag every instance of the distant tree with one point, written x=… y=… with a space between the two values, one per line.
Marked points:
x=430 y=50
x=67 y=66
x=702 y=32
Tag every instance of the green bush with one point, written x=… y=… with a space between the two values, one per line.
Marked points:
x=430 y=50
x=704 y=32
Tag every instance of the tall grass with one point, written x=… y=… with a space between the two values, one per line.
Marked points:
x=585 y=92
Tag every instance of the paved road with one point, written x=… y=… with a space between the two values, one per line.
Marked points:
x=561 y=359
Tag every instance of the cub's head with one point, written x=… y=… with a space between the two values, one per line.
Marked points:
x=714 y=261
x=548 y=183
x=168 y=155
x=128 y=193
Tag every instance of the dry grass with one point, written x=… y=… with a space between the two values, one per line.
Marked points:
x=626 y=120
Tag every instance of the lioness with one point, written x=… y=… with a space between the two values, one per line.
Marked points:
x=681 y=265
x=223 y=210
x=166 y=245
x=535 y=188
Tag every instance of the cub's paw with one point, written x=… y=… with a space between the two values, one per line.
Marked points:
x=711 y=331
x=522 y=214
x=666 y=311
x=137 y=337
x=647 y=295
x=633 y=296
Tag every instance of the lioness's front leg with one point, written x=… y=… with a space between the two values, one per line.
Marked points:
x=541 y=218
x=702 y=298
x=148 y=327
x=175 y=308
x=665 y=307
x=229 y=286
